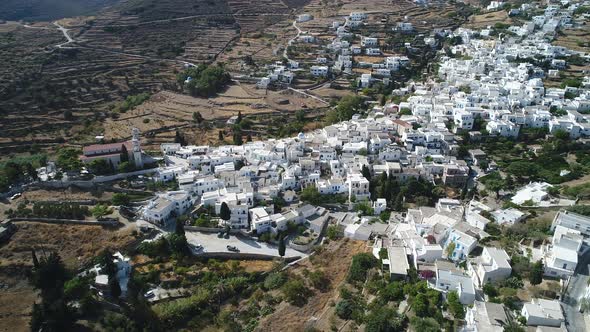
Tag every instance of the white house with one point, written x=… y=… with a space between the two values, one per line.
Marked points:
x=372 y=51
x=540 y=312
x=261 y=221
x=380 y=205
x=319 y=70
x=535 y=192
x=562 y=257
x=449 y=278
x=493 y=265
x=304 y=18
x=357 y=16
x=369 y=42
x=404 y=27
x=503 y=128
x=508 y=216
x=358 y=187
x=463 y=244
x=484 y=317
x=573 y=221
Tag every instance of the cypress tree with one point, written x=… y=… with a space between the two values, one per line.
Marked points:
x=282 y=246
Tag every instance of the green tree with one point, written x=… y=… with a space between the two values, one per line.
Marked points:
x=224 y=212
x=420 y=305
x=455 y=306
x=398 y=205
x=361 y=264
x=197 y=117
x=178 y=244
x=237 y=137
x=282 y=247
x=120 y=199
x=124 y=153
x=126 y=167
x=450 y=249
x=100 y=210
x=295 y=292
x=114 y=288
x=345 y=109
x=427 y=324
x=69 y=159
x=179 y=226
x=76 y=288
x=366 y=172
x=344 y=309
x=52 y=314
x=536 y=274
x=311 y=195
x=384 y=319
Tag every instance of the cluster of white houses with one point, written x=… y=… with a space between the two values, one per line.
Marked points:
x=485 y=78
x=338 y=54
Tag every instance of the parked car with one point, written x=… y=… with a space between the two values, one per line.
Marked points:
x=233 y=248
x=15 y=196
x=197 y=247
x=149 y=294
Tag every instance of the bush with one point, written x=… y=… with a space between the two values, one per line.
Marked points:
x=206 y=80
x=455 y=307
x=344 y=309
x=120 y=199
x=490 y=290
x=132 y=101
x=334 y=232
x=393 y=292
x=319 y=280
x=274 y=280
x=295 y=292
x=361 y=264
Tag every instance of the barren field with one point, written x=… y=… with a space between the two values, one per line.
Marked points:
x=173 y=110
x=576 y=39
x=488 y=19
x=335 y=261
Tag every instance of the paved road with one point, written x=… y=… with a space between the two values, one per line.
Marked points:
x=212 y=244
x=577 y=287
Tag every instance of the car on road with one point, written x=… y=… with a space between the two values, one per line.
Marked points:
x=196 y=247
x=149 y=294
x=233 y=248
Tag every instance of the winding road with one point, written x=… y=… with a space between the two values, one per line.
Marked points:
x=290 y=42
x=65 y=33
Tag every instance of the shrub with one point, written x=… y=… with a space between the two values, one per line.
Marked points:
x=274 y=280
x=344 y=309
x=361 y=264
x=295 y=292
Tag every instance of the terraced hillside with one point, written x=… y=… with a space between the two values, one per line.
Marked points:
x=53 y=92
